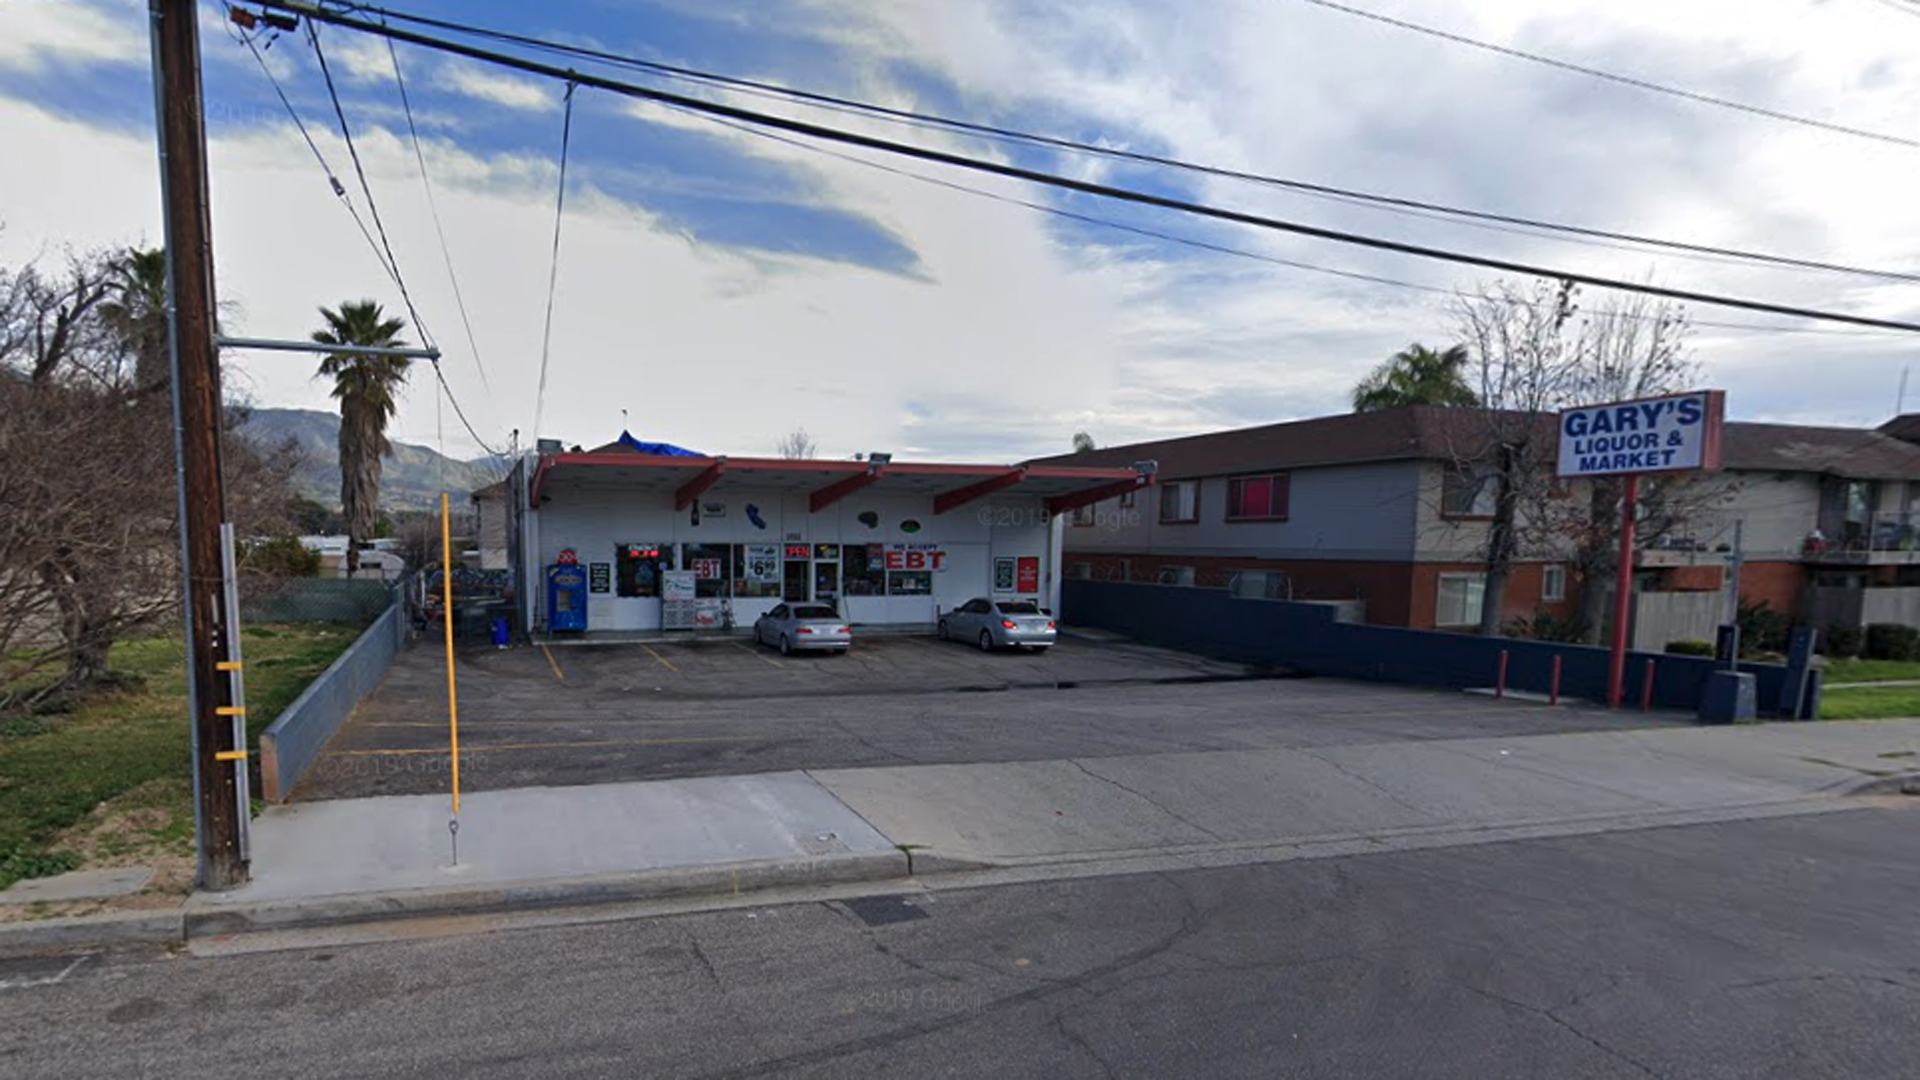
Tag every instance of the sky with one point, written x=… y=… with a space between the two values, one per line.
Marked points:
x=718 y=289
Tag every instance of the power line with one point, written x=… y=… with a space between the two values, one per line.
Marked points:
x=1206 y=245
x=333 y=181
x=1624 y=80
x=928 y=120
x=439 y=229
x=313 y=36
x=553 y=266
x=828 y=134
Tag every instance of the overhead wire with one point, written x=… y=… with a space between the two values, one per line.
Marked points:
x=553 y=267
x=1206 y=245
x=433 y=208
x=830 y=134
x=1623 y=80
x=373 y=209
x=852 y=106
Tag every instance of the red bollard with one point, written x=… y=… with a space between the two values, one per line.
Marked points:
x=1500 y=681
x=1646 y=690
x=1553 y=688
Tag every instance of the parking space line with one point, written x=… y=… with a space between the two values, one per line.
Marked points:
x=554 y=664
x=755 y=653
x=664 y=662
x=586 y=743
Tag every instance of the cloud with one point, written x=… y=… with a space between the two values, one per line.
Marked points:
x=41 y=36
x=488 y=85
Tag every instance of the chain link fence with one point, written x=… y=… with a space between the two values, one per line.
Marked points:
x=266 y=599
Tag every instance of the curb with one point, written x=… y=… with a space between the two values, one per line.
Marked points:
x=209 y=918
x=93 y=932
x=1901 y=784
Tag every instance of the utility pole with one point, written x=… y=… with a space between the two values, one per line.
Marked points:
x=195 y=370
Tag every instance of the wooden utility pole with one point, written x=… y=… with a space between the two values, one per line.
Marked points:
x=197 y=413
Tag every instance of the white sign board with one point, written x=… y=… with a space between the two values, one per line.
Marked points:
x=1653 y=435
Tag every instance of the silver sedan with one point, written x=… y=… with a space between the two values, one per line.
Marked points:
x=991 y=624
x=811 y=627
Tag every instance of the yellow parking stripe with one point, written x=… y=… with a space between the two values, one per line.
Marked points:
x=663 y=660
x=757 y=654
x=554 y=664
x=589 y=744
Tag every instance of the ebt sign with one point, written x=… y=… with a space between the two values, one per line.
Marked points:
x=1664 y=434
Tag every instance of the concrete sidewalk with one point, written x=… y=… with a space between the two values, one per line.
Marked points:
x=1370 y=797
x=365 y=860
x=354 y=859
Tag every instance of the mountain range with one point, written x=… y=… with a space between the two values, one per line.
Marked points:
x=410 y=480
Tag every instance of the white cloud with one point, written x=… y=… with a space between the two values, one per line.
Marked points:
x=39 y=33
x=488 y=85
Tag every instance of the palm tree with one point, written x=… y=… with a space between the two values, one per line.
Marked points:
x=1416 y=375
x=366 y=387
x=138 y=313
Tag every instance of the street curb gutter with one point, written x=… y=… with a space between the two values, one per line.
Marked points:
x=210 y=918
x=87 y=933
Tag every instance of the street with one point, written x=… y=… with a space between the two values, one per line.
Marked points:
x=1780 y=947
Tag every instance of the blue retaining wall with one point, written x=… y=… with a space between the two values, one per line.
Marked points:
x=1305 y=638
x=292 y=743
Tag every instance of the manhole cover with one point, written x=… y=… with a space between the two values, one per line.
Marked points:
x=881 y=910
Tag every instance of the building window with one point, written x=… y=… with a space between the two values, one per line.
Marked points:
x=1553 y=583
x=1179 y=502
x=1468 y=494
x=1459 y=599
x=1257 y=498
x=1083 y=516
x=1126 y=499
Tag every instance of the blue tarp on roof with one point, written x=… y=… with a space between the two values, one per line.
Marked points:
x=657 y=449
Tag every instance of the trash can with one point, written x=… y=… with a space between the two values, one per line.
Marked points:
x=500 y=632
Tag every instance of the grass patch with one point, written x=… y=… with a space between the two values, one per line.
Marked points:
x=1871 y=670
x=1870 y=703
x=130 y=746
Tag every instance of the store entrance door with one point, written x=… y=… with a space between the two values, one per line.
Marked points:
x=826 y=583
x=794 y=584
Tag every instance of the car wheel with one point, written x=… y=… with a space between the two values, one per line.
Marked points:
x=986 y=641
x=940 y=631
x=786 y=646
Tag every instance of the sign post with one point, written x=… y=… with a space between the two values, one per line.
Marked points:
x=1677 y=433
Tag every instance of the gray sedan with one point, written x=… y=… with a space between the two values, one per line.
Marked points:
x=813 y=627
x=994 y=623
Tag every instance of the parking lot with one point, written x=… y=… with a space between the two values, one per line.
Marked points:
x=606 y=713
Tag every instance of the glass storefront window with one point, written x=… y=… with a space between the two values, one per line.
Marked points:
x=637 y=568
x=712 y=565
x=756 y=570
x=863 y=570
x=910 y=583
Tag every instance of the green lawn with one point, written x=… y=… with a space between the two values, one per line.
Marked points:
x=134 y=743
x=1870 y=703
x=1871 y=670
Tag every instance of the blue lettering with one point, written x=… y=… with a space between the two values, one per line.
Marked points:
x=1626 y=418
x=1691 y=410
x=1576 y=424
x=1653 y=411
x=1602 y=422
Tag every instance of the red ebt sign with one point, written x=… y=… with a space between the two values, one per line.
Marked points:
x=1678 y=433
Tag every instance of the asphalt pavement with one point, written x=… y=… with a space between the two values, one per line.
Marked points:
x=620 y=713
x=1784 y=947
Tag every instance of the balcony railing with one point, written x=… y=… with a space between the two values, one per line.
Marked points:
x=1888 y=531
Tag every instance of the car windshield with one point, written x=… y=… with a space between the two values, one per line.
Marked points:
x=1019 y=607
x=815 y=611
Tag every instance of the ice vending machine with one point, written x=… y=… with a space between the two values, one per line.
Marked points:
x=566 y=594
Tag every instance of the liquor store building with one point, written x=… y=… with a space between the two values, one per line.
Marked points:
x=627 y=541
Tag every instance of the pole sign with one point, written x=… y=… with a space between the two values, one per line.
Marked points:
x=1679 y=433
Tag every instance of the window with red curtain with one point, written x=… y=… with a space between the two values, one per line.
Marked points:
x=1257 y=498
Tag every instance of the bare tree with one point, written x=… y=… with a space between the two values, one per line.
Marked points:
x=797 y=445
x=1535 y=352
x=88 y=547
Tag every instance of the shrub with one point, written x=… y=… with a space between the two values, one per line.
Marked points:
x=1544 y=626
x=1690 y=648
x=1892 y=641
x=1763 y=629
x=283 y=556
x=1842 y=641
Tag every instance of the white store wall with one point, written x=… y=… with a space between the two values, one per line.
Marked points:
x=595 y=519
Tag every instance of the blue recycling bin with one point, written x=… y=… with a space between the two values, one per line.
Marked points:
x=500 y=632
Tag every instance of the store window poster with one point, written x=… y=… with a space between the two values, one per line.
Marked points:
x=1003 y=575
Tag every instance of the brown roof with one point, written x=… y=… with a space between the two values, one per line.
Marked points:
x=1435 y=433
x=1905 y=426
